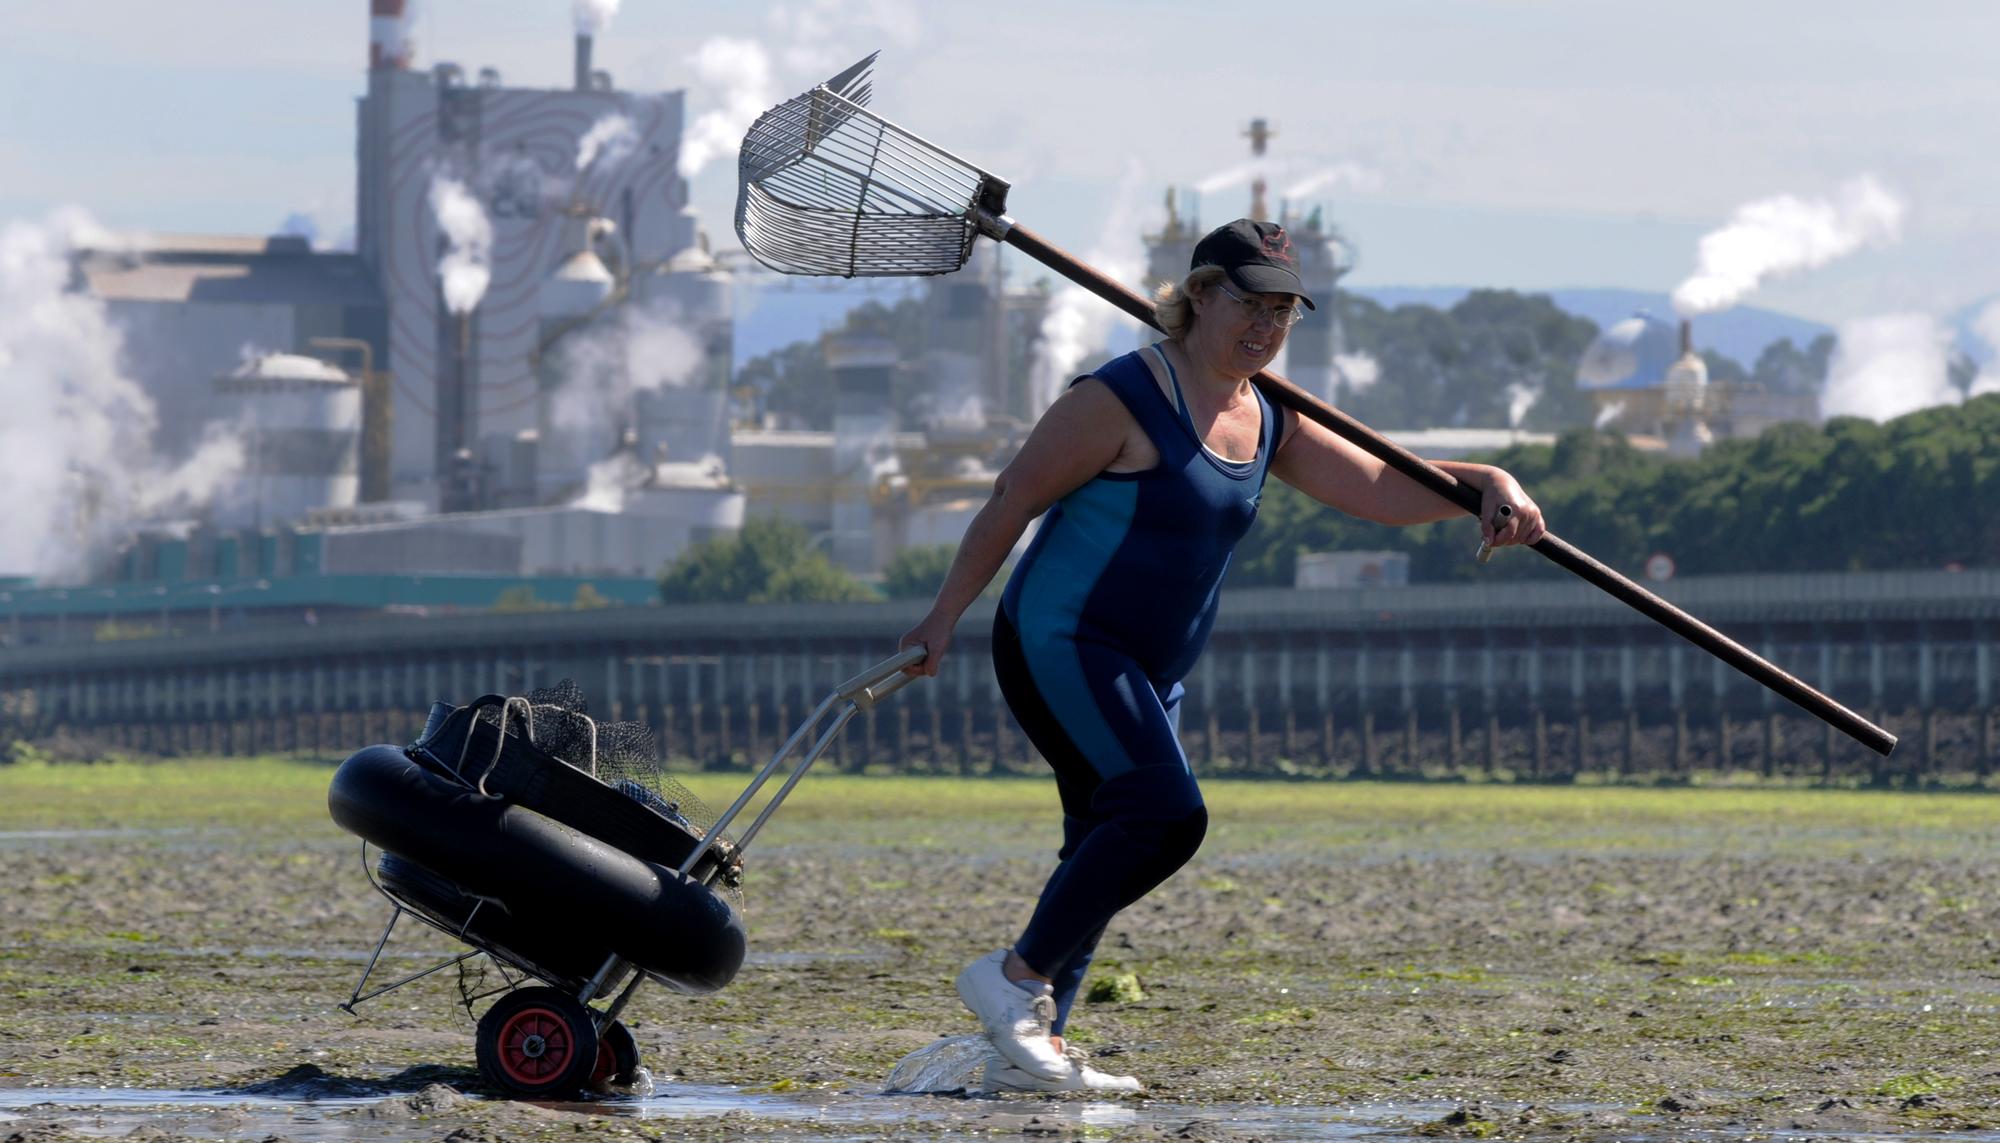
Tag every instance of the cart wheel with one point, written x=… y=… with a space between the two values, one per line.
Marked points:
x=537 y=1042
x=617 y=1057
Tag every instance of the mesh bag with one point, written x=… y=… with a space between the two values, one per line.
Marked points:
x=601 y=778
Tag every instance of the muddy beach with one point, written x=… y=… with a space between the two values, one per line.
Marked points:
x=1341 y=959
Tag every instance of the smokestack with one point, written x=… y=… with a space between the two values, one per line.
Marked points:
x=388 y=35
x=1259 y=135
x=583 y=61
x=1687 y=337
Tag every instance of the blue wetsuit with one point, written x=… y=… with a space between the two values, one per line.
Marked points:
x=1103 y=617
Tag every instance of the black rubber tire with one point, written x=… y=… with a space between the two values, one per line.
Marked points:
x=617 y=1057
x=537 y=1042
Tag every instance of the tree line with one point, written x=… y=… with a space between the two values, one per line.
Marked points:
x=1920 y=491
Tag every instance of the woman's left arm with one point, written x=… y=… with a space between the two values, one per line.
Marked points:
x=1339 y=474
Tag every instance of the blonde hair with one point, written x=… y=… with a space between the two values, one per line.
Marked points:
x=1175 y=307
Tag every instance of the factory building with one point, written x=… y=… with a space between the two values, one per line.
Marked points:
x=189 y=306
x=522 y=154
x=1647 y=381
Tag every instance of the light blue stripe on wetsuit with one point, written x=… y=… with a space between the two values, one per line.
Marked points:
x=1130 y=566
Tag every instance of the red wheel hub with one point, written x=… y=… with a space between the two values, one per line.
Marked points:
x=535 y=1044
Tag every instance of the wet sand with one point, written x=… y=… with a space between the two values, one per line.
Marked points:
x=1340 y=960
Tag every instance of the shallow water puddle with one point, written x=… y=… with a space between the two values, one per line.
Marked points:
x=820 y=1115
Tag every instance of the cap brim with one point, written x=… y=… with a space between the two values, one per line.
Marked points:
x=1270 y=280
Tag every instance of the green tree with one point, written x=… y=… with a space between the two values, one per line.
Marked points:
x=768 y=560
x=1467 y=364
x=1921 y=491
x=917 y=572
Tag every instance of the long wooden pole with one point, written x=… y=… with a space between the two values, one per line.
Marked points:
x=1565 y=555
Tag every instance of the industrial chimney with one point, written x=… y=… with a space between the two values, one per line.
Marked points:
x=389 y=39
x=583 y=61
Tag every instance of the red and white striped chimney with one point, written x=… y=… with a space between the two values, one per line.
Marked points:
x=390 y=43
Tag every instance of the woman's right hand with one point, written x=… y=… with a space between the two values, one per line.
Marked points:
x=933 y=634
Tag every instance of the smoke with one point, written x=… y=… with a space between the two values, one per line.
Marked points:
x=467 y=265
x=610 y=140
x=1520 y=398
x=1776 y=236
x=1348 y=174
x=735 y=75
x=1243 y=174
x=609 y=480
x=593 y=16
x=1883 y=367
x=604 y=367
x=1987 y=326
x=1608 y=414
x=1354 y=176
x=1077 y=320
x=737 y=80
x=1359 y=370
x=77 y=436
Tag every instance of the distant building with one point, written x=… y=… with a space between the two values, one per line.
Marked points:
x=1647 y=381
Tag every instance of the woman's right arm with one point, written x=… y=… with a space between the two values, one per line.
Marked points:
x=1082 y=433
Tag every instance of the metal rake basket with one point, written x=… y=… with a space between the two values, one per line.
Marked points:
x=828 y=188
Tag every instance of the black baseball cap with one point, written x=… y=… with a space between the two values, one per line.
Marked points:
x=1257 y=256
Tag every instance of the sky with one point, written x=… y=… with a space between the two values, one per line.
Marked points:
x=1530 y=144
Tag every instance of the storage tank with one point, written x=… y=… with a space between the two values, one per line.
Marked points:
x=300 y=419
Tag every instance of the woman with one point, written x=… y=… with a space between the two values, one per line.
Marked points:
x=1149 y=470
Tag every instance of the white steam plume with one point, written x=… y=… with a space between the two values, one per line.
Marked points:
x=1520 y=398
x=78 y=433
x=1783 y=234
x=1987 y=326
x=1359 y=370
x=1351 y=175
x=736 y=75
x=467 y=265
x=1077 y=320
x=645 y=351
x=736 y=80
x=1883 y=367
x=593 y=16
x=609 y=141
x=1241 y=174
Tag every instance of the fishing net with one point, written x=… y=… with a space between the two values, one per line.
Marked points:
x=555 y=722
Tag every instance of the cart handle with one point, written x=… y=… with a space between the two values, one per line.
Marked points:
x=859 y=693
x=883 y=679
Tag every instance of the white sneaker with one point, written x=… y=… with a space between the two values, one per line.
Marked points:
x=1016 y=1020
x=1003 y=1076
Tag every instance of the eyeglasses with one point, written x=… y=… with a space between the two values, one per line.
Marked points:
x=1283 y=317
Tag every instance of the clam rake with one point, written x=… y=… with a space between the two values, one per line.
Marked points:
x=827 y=187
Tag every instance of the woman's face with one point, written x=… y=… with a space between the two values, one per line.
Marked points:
x=1241 y=332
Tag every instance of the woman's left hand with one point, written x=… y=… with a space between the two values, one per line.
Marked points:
x=1524 y=526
